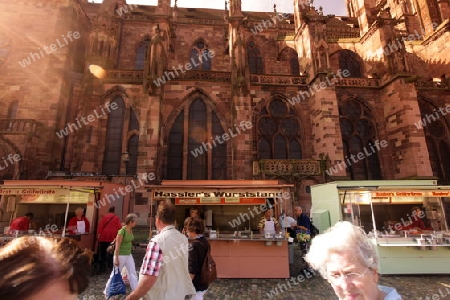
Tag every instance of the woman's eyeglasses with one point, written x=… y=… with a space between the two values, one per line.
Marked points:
x=353 y=276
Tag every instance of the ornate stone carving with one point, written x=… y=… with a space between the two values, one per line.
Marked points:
x=290 y=167
x=277 y=80
x=156 y=61
x=18 y=126
x=123 y=76
x=358 y=82
x=205 y=75
x=431 y=85
x=334 y=33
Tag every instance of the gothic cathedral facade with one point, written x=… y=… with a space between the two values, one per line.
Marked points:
x=195 y=93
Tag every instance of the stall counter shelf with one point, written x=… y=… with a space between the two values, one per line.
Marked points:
x=417 y=254
x=246 y=257
x=84 y=240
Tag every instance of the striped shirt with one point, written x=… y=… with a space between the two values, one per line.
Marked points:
x=153 y=260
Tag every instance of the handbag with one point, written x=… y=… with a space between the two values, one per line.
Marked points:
x=116 y=286
x=111 y=248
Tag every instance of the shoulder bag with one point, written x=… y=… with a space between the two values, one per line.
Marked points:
x=112 y=247
x=208 y=272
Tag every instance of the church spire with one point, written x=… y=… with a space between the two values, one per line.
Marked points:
x=235 y=8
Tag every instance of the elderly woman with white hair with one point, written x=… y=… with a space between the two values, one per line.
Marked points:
x=79 y=224
x=347 y=258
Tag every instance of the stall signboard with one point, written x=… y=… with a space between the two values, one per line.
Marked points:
x=70 y=196
x=27 y=191
x=216 y=197
x=389 y=196
x=439 y=193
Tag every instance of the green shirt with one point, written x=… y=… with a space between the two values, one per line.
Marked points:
x=125 y=246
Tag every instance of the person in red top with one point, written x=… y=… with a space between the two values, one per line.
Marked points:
x=78 y=224
x=417 y=222
x=21 y=223
x=107 y=232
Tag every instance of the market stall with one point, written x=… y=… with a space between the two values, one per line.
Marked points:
x=231 y=210
x=407 y=220
x=53 y=203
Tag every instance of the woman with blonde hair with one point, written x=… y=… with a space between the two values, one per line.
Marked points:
x=348 y=259
x=122 y=252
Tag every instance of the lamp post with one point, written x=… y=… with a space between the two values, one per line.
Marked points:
x=126 y=160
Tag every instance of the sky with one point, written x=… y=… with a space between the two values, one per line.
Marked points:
x=336 y=7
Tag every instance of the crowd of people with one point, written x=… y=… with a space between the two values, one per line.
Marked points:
x=343 y=255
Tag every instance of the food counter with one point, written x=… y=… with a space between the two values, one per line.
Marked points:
x=247 y=257
x=234 y=206
x=385 y=210
x=53 y=203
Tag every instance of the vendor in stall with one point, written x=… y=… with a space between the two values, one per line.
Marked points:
x=193 y=213
x=78 y=224
x=22 y=223
x=267 y=223
x=417 y=219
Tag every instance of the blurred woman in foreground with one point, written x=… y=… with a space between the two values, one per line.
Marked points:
x=36 y=268
x=347 y=258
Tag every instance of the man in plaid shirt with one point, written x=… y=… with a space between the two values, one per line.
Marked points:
x=166 y=262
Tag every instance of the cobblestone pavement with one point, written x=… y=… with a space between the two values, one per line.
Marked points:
x=410 y=287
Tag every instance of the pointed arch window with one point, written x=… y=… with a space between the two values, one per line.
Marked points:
x=12 y=109
x=359 y=136
x=141 y=54
x=193 y=150
x=278 y=132
x=201 y=56
x=133 y=144
x=290 y=55
x=437 y=137
x=114 y=136
x=255 y=60
x=349 y=60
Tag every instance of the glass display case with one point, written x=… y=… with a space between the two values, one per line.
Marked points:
x=407 y=220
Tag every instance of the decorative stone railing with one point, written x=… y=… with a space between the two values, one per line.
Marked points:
x=290 y=167
x=277 y=80
x=358 y=82
x=136 y=77
x=336 y=33
x=124 y=76
x=203 y=75
x=199 y=21
x=17 y=126
x=430 y=85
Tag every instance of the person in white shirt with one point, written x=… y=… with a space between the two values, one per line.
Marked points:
x=286 y=222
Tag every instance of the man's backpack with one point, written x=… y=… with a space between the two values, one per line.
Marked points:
x=208 y=273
